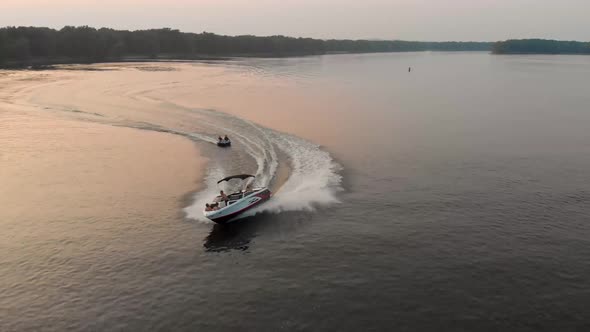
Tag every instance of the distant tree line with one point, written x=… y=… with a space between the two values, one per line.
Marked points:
x=21 y=46
x=540 y=46
x=370 y=46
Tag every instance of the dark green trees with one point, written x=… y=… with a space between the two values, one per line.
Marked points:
x=30 y=45
x=540 y=46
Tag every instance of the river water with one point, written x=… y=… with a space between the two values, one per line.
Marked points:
x=454 y=196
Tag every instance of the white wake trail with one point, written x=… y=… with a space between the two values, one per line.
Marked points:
x=314 y=179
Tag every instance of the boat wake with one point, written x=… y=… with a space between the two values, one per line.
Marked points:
x=300 y=174
x=312 y=178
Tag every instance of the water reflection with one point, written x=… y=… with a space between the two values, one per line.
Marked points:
x=236 y=235
x=239 y=234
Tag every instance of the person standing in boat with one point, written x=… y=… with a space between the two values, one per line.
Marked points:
x=223 y=197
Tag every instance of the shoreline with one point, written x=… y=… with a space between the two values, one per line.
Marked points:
x=53 y=64
x=50 y=63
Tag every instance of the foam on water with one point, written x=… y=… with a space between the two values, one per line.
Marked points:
x=314 y=179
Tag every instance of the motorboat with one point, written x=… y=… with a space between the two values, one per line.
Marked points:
x=224 y=210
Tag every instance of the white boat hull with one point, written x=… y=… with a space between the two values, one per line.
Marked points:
x=236 y=208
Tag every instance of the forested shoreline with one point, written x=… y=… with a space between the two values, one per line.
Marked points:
x=540 y=46
x=30 y=46
x=35 y=46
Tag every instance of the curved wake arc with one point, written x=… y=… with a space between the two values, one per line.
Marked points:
x=313 y=180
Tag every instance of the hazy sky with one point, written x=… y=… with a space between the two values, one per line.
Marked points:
x=387 y=19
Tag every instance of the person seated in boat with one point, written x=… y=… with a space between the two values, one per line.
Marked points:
x=208 y=207
x=219 y=139
x=226 y=139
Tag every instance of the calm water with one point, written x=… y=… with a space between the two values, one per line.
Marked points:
x=463 y=190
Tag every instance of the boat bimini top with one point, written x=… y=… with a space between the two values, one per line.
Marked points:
x=239 y=176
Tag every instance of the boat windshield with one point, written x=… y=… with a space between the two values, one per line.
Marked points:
x=235 y=196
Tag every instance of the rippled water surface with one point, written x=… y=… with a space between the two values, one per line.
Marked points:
x=452 y=197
